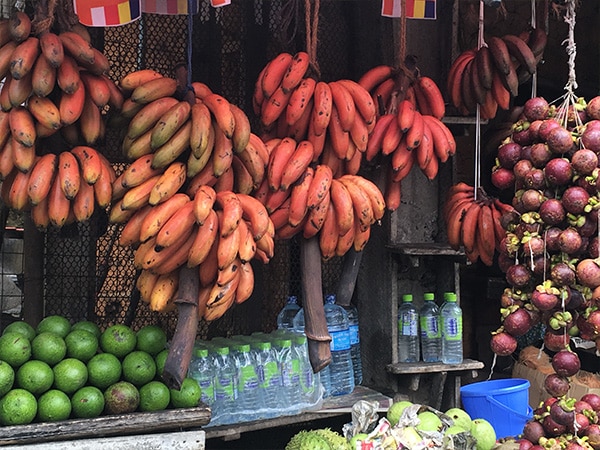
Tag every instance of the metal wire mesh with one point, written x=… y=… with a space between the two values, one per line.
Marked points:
x=87 y=274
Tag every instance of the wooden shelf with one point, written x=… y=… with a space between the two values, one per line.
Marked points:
x=111 y=425
x=332 y=406
x=463 y=120
x=426 y=249
x=423 y=367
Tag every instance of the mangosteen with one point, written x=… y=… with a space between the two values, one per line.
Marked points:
x=533 y=431
x=531 y=199
x=545 y=296
x=503 y=178
x=552 y=212
x=575 y=199
x=509 y=154
x=540 y=266
x=552 y=428
x=518 y=322
x=562 y=413
x=593 y=400
x=551 y=236
x=535 y=179
x=556 y=342
x=588 y=273
x=556 y=385
x=536 y=108
x=590 y=137
x=518 y=275
x=570 y=241
x=584 y=161
x=533 y=245
x=593 y=108
x=558 y=171
x=566 y=363
x=578 y=425
x=522 y=168
x=562 y=274
x=592 y=432
x=503 y=344
x=540 y=155
x=546 y=127
x=560 y=140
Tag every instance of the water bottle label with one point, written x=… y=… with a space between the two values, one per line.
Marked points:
x=270 y=376
x=453 y=328
x=224 y=389
x=286 y=375
x=308 y=380
x=408 y=325
x=207 y=389
x=430 y=328
x=354 y=336
x=295 y=371
x=248 y=379
x=340 y=340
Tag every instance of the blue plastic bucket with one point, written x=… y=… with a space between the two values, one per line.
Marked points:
x=504 y=403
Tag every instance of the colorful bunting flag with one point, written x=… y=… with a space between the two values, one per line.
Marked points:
x=107 y=13
x=169 y=6
x=415 y=9
x=219 y=3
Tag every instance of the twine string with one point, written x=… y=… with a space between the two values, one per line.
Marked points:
x=477 y=174
x=311 y=22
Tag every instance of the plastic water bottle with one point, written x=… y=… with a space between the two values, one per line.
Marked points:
x=408 y=331
x=323 y=376
x=249 y=399
x=226 y=392
x=285 y=318
x=451 y=319
x=307 y=377
x=269 y=377
x=341 y=371
x=202 y=370
x=431 y=335
x=354 y=343
x=290 y=375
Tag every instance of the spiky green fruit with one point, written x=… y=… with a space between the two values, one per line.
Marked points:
x=335 y=440
x=307 y=440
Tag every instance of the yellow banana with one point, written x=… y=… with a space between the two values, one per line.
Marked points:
x=170 y=151
x=168 y=124
x=168 y=184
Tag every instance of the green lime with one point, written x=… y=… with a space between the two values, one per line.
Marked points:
x=186 y=397
x=7 y=377
x=53 y=405
x=104 y=369
x=48 y=347
x=87 y=326
x=87 y=402
x=55 y=324
x=69 y=375
x=35 y=376
x=81 y=344
x=154 y=396
x=15 y=348
x=151 y=339
x=17 y=407
x=118 y=340
x=121 y=397
x=160 y=361
x=139 y=368
x=20 y=327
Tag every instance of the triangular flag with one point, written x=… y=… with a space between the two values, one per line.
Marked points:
x=219 y=3
x=107 y=13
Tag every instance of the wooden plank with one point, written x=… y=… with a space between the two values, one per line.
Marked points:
x=185 y=440
x=423 y=367
x=118 y=424
x=426 y=249
x=332 y=407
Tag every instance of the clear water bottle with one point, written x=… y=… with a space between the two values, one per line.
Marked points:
x=354 y=343
x=431 y=335
x=269 y=377
x=290 y=375
x=341 y=371
x=285 y=318
x=408 y=331
x=249 y=399
x=225 y=385
x=307 y=377
x=202 y=370
x=451 y=319
x=323 y=376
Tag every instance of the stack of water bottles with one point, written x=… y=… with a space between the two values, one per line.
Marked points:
x=246 y=378
x=430 y=334
x=344 y=372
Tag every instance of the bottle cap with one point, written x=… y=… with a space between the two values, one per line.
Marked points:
x=447 y=294
x=407 y=298
x=451 y=298
x=429 y=296
x=222 y=350
x=201 y=352
x=293 y=299
x=330 y=298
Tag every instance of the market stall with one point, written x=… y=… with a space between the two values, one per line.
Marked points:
x=182 y=175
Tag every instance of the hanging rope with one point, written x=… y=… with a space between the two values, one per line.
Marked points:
x=477 y=174
x=44 y=17
x=533 y=25
x=311 y=21
x=571 y=47
x=190 y=20
x=402 y=46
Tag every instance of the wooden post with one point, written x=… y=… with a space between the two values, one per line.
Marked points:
x=182 y=345
x=347 y=281
x=33 y=271
x=315 y=325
